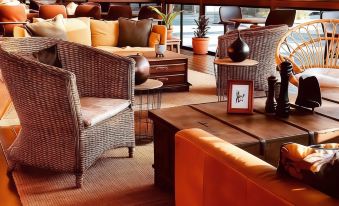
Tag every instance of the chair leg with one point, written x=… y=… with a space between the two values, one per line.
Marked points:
x=79 y=180
x=130 y=152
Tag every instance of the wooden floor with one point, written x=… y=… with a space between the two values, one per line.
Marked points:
x=8 y=193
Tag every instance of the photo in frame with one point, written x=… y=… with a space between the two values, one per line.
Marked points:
x=240 y=96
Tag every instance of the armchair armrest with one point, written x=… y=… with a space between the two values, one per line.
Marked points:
x=98 y=73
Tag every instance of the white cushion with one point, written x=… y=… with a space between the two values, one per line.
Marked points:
x=95 y=110
x=327 y=77
x=70 y=8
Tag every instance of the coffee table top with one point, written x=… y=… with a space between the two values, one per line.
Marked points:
x=323 y=124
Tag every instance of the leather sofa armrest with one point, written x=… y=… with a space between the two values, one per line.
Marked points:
x=211 y=171
x=162 y=30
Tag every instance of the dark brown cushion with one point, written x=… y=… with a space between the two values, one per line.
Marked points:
x=49 y=56
x=317 y=165
x=134 y=33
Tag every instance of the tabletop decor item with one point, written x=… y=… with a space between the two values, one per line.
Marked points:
x=167 y=19
x=200 y=40
x=283 y=105
x=239 y=50
x=142 y=68
x=240 y=96
x=271 y=104
x=160 y=50
x=309 y=94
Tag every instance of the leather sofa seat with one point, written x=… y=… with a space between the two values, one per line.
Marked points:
x=95 y=110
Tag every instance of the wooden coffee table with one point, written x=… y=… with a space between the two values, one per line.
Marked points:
x=171 y=69
x=259 y=134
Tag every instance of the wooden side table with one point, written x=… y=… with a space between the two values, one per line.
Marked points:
x=171 y=43
x=148 y=96
x=226 y=68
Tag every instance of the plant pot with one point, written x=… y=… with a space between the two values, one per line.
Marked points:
x=169 y=33
x=200 y=45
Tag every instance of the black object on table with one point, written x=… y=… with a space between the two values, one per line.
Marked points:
x=271 y=104
x=309 y=94
x=283 y=105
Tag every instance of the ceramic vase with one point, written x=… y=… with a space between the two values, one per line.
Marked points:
x=238 y=51
x=142 y=68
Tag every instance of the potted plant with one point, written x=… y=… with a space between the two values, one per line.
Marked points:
x=167 y=19
x=200 y=41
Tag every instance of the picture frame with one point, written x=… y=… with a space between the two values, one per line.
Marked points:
x=240 y=96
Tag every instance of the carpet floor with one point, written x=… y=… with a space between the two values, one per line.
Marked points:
x=113 y=180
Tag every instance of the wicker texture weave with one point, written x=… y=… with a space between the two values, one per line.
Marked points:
x=263 y=42
x=47 y=101
x=313 y=44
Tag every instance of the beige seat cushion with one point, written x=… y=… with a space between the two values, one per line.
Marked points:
x=125 y=49
x=104 y=33
x=95 y=110
x=327 y=77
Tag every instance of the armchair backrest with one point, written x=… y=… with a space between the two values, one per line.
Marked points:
x=50 y=11
x=87 y=10
x=10 y=13
x=116 y=11
x=229 y=12
x=262 y=41
x=281 y=16
x=45 y=98
x=312 y=44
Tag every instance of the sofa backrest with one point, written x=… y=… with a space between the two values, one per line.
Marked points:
x=159 y=29
x=211 y=171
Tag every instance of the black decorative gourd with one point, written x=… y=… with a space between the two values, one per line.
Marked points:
x=238 y=51
x=142 y=68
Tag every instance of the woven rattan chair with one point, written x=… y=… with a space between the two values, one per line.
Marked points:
x=310 y=45
x=53 y=104
x=262 y=42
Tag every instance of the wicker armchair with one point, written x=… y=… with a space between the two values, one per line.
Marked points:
x=51 y=106
x=262 y=42
x=313 y=44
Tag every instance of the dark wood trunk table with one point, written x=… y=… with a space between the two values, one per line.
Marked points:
x=260 y=134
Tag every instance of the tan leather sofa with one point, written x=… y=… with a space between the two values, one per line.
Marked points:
x=210 y=171
x=111 y=33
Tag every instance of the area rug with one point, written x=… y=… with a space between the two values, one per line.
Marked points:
x=203 y=90
x=113 y=180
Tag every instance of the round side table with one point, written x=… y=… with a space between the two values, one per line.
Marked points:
x=227 y=70
x=147 y=97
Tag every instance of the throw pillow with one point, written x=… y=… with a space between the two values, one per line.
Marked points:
x=134 y=33
x=154 y=38
x=78 y=30
x=49 y=56
x=104 y=33
x=50 y=28
x=316 y=165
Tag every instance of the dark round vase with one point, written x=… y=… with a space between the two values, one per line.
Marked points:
x=238 y=51
x=141 y=68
